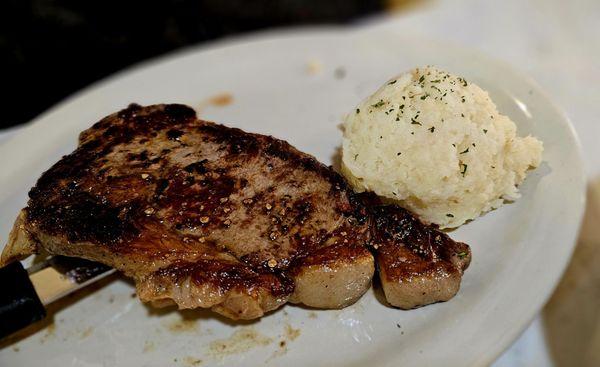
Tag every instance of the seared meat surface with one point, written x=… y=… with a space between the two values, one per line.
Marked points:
x=202 y=215
x=418 y=264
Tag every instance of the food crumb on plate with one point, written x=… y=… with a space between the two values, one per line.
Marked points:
x=217 y=100
x=314 y=67
x=220 y=100
x=242 y=340
x=87 y=332
x=149 y=346
x=339 y=72
x=181 y=325
x=288 y=335
x=291 y=333
x=192 y=361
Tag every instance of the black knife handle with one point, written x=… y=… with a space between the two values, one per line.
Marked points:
x=19 y=303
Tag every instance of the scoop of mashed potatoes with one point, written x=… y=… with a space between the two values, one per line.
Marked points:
x=436 y=144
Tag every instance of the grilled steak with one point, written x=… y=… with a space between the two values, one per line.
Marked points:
x=202 y=215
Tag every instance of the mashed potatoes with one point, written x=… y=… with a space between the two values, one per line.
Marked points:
x=436 y=144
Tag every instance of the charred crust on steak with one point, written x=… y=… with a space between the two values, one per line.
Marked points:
x=94 y=195
x=394 y=226
x=163 y=197
x=227 y=276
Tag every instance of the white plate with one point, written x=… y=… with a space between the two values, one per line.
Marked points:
x=519 y=251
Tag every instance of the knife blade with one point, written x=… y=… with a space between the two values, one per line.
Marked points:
x=27 y=291
x=61 y=275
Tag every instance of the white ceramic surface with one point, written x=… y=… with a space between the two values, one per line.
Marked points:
x=519 y=251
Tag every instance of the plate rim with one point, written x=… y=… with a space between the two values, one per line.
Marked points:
x=286 y=33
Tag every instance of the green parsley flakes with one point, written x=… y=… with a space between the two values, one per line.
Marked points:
x=378 y=104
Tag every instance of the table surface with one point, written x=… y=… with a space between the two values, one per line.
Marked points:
x=558 y=44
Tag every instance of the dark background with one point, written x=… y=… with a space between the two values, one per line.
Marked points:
x=52 y=48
